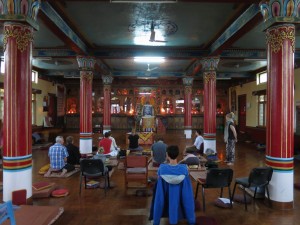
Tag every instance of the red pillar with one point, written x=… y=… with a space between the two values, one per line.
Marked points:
x=107 y=81
x=280 y=35
x=17 y=131
x=188 y=83
x=86 y=66
x=209 y=66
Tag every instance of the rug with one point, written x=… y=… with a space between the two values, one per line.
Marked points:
x=36 y=215
x=76 y=170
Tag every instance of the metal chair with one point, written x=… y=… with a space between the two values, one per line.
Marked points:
x=216 y=178
x=7 y=212
x=94 y=169
x=259 y=178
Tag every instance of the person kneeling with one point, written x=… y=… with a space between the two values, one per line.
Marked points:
x=58 y=157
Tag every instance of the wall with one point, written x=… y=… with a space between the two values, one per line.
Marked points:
x=46 y=87
x=252 y=106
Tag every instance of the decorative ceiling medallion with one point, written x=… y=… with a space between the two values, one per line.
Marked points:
x=166 y=27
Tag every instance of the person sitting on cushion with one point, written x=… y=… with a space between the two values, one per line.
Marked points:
x=196 y=147
x=105 y=143
x=158 y=151
x=73 y=151
x=58 y=157
x=134 y=141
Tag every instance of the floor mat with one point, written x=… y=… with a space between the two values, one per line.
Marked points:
x=76 y=170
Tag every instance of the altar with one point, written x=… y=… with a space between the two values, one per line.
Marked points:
x=145 y=138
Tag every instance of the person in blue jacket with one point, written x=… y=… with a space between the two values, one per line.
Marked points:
x=173 y=194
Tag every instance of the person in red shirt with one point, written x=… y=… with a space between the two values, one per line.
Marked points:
x=105 y=143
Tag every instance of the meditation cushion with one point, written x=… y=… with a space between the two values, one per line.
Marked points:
x=43 y=193
x=297 y=186
x=41 y=185
x=44 y=169
x=240 y=198
x=60 y=193
x=221 y=204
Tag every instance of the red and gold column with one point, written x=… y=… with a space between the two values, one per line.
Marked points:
x=209 y=66
x=107 y=81
x=188 y=83
x=86 y=66
x=280 y=94
x=17 y=140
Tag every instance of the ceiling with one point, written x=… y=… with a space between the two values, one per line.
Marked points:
x=185 y=32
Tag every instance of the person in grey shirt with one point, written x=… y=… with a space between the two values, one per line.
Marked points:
x=158 y=151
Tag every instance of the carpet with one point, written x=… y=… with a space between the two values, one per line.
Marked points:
x=53 y=174
x=36 y=215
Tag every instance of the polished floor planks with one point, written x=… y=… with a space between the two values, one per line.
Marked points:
x=119 y=207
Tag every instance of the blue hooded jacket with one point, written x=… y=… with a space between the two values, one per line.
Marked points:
x=173 y=196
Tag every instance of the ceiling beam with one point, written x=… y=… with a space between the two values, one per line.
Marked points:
x=245 y=22
x=59 y=26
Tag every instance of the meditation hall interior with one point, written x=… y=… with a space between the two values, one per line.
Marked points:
x=121 y=112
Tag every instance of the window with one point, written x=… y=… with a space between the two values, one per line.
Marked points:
x=34 y=76
x=261 y=78
x=33 y=108
x=262 y=110
x=1 y=103
x=2 y=66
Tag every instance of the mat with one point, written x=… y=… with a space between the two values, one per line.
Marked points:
x=76 y=170
x=36 y=215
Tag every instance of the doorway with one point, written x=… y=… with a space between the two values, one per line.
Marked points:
x=242 y=113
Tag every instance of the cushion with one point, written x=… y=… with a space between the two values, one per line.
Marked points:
x=44 y=169
x=41 y=185
x=222 y=204
x=240 y=198
x=136 y=170
x=60 y=193
x=44 y=193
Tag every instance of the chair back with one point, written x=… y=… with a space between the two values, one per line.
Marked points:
x=92 y=166
x=7 y=212
x=136 y=161
x=218 y=177
x=260 y=176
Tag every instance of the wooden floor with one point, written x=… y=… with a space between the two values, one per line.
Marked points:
x=121 y=208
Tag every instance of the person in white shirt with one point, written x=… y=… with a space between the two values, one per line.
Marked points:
x=113 y=148
x=197 y=147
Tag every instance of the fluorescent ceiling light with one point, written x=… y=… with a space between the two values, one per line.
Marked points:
x=143 y=1
x=149 y=59
x=223 y=78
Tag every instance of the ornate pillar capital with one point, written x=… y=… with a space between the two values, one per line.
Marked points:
x=86 y=62
x=187 y=81
x=20 y=10
x=280 y=11
x=107 y=79
x=209 y=76
x=210 y=63
x=277 y=35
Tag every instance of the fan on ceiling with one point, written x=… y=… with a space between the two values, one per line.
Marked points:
x=152 y=35
x=150 y=69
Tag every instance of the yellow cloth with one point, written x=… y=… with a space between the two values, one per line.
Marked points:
x=145 y=136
